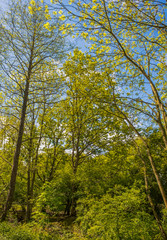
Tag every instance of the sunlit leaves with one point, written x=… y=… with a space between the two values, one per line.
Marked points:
x=47 y=26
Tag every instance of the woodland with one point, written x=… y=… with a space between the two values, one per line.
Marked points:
x=83 y=120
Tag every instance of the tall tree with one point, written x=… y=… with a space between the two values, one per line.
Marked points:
x=86 y=128
x=30 y=46
x=129 y=38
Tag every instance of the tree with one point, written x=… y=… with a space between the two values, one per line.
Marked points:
x=48 y=89
x=86 y=128
x=129 y=37
x=30 y=46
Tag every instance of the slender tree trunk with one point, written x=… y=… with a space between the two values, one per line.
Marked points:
x=68 y=207
x=51 y=174
x=31 y=182
x=12 y=184
x=74 y=199
x=157 y=177
x=17 y=154
x=163 y=233
x=124 y=116
x=28 y=212
x=161 y=120
x=74 y=187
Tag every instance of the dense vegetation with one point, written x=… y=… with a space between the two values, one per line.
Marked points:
x=83 y=120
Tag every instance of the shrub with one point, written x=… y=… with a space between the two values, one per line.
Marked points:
x=122 y=216
x=17 y=232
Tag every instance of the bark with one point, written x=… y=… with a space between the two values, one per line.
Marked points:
x=68 y=207
x=31 y=182
x=29 y=207
x=54 y=165
x=12 y=184
x=163 y=233
x=157 y=177
x=28 y=212
x=74 y=199
x=16 y=155
x=161 y=188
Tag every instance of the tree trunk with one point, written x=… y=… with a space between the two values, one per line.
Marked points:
x=163 y=233
x=74 y=199
x=68 y=207
x=31 y=182
x=159 y=183
x=17 y=153
x=157 y=177
x=19 y=141
x=28 y=212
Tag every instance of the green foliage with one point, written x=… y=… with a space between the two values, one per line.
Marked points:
x=21 y=232
x=54 y=195
x=95 y=124
x=35 y=231
x=122 y=216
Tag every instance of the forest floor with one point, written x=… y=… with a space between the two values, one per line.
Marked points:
x=57 y=228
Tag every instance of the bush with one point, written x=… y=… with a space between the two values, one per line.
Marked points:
x=17 y=232
x=122 y=216
x=34 y=231
x=54 y=197
x=3 y=238
x=5 y=228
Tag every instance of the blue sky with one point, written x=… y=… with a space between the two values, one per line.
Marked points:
x=3 y=4
x=80 y=43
